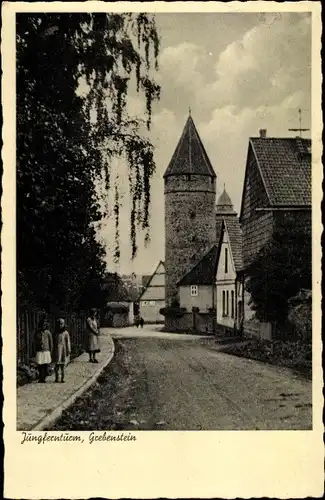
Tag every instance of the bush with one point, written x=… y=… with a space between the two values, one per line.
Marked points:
x=296 y=355
x=300 y=315
x=26 y=374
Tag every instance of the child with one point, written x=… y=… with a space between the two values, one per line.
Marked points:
x=92 y=336
x=43 y=348
x=62 y=349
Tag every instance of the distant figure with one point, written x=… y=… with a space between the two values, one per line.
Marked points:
x=43 y=345
x=137 y=322
x=62 y=349
x=92 y=336
x=141 y=322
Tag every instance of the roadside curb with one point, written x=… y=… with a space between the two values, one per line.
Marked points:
x=57 y=412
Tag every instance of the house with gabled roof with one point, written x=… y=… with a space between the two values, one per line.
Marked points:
x=277 y=188
x=229 y=299
x=152 y=298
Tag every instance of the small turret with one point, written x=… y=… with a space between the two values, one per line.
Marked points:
x=224 y=204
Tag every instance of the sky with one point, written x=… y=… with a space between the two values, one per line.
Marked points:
x=239 y=73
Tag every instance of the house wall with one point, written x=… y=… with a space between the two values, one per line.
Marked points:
x=226 y=319
x=131 y=313
x=156 y=288
x=203 y=300
x=226 y=282
x=200 y=323
x=257 y=227
x=149 y=310
x=189 y=225
x=222 y=275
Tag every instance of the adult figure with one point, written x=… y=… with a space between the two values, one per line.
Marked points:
x=92 y=336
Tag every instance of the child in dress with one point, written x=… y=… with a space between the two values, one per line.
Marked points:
x=62 y=349
x=43 y=347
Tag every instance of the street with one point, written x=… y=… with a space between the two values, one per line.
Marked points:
x=186 y=384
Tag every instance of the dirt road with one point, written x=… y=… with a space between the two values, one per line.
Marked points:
x=160 y=381
x=187 y=386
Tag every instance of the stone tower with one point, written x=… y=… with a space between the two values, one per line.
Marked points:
x=190 y=192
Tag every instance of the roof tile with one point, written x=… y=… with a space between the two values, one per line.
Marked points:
x=235 y=239
x=285 y=166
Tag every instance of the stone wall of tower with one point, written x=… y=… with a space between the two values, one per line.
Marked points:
x=190 y=225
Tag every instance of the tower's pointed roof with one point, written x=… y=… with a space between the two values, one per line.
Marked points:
x=190 y=156
x=224 y=204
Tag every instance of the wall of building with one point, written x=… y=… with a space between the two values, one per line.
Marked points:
x=226 y=282
x=203 y=300
x=257 y=227
x=226 y=317
x=200 y=323
x=131 y=313
x=149 y=310
x=189 y=225
x=222 y=274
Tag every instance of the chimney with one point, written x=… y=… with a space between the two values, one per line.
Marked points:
x=262 y=133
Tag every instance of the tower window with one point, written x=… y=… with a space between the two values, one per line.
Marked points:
x=227 y=303
x=226 y=260
x=189 y=177
x=232 y=303
x=194 y=290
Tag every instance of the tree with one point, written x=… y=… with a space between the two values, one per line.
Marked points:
x=65 y=143
x=281 y=269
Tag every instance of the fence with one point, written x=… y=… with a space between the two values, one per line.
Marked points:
x=28 y=320
x=256 y=329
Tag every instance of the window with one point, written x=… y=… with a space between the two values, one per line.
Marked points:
x=188 y=177
x=194 y=290
x=225 y=303
x=226 y=260
x=232 y=303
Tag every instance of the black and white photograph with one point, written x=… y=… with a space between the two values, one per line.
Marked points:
x=163 y=222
